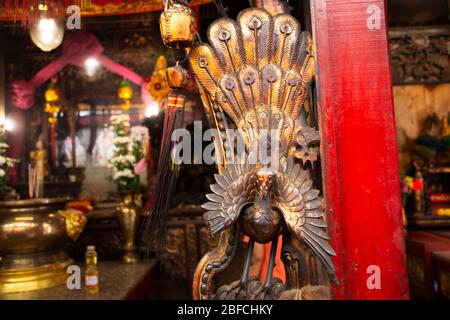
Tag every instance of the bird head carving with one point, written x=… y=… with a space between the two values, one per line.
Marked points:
x=265 y=178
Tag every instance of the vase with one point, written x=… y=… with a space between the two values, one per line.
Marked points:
x=129 y=215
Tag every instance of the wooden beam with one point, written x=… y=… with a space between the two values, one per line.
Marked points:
x=359 y=149
x=401 y=32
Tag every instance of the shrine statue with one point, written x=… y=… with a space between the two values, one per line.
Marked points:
x=80 y=153
x=255 y=75
x=104 y=148
x=39 y=158
x=38 y=169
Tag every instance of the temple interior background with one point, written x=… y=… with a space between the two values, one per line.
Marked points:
x=70 y=136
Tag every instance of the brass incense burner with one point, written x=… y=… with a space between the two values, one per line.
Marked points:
x=32 y=234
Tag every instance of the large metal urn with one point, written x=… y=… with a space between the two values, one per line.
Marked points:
x=32 y=236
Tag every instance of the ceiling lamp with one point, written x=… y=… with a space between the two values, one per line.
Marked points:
x=46 y=32
x=91 y=66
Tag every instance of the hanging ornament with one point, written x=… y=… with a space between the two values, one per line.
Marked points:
x=177 y=77
x=26 y=11
x=52 y=106
x=168 y=166
x=47 y=28
x=157 y=86
x=177 y=24
x=125 y=93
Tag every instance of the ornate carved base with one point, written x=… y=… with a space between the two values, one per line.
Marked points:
x=19 y=273
x=308 y=293
x=277 y=291
x=130 y=257
x=255 y=291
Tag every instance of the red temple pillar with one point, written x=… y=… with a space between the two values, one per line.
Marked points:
x=359 y=150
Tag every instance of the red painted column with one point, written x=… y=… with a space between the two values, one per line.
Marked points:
x=359 y=150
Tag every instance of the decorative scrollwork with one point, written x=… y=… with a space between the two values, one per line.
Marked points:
x=420 y=57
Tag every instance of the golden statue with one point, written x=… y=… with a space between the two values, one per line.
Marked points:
x=38 y=169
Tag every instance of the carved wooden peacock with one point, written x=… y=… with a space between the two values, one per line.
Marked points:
x=255 y=75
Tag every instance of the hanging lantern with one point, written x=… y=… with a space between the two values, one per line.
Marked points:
x=52 y=93
x=52 y=106
x=168 y=167
x=157 y=86
x=46 y=29
x=177 y=24
x=176 y=76
x=125 y=93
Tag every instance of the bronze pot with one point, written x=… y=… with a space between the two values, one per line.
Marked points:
x=32 y=236
x=31 y=226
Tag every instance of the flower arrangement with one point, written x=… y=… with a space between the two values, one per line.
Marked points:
x=5 y=163
x=128 y=153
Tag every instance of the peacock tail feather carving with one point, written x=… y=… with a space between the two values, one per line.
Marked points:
x=257 y=70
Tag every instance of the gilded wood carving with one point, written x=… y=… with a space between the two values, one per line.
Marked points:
x=255 y=75
x=420 y=56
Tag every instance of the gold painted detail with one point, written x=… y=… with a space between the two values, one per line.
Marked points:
x=177 y=24
x=75 y=222
x=35 y=278
x=255 y=74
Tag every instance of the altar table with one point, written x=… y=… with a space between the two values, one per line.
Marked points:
x=118 y=281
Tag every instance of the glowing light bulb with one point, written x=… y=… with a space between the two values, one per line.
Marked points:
x=8 y=124
x=46 y=33
x=91 y=65
x=152 y=109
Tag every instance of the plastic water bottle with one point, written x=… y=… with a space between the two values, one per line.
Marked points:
x=91 y=275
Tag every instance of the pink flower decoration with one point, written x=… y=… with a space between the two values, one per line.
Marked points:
x=140 y=166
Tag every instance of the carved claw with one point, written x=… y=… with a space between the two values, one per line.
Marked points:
x=273 y=251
